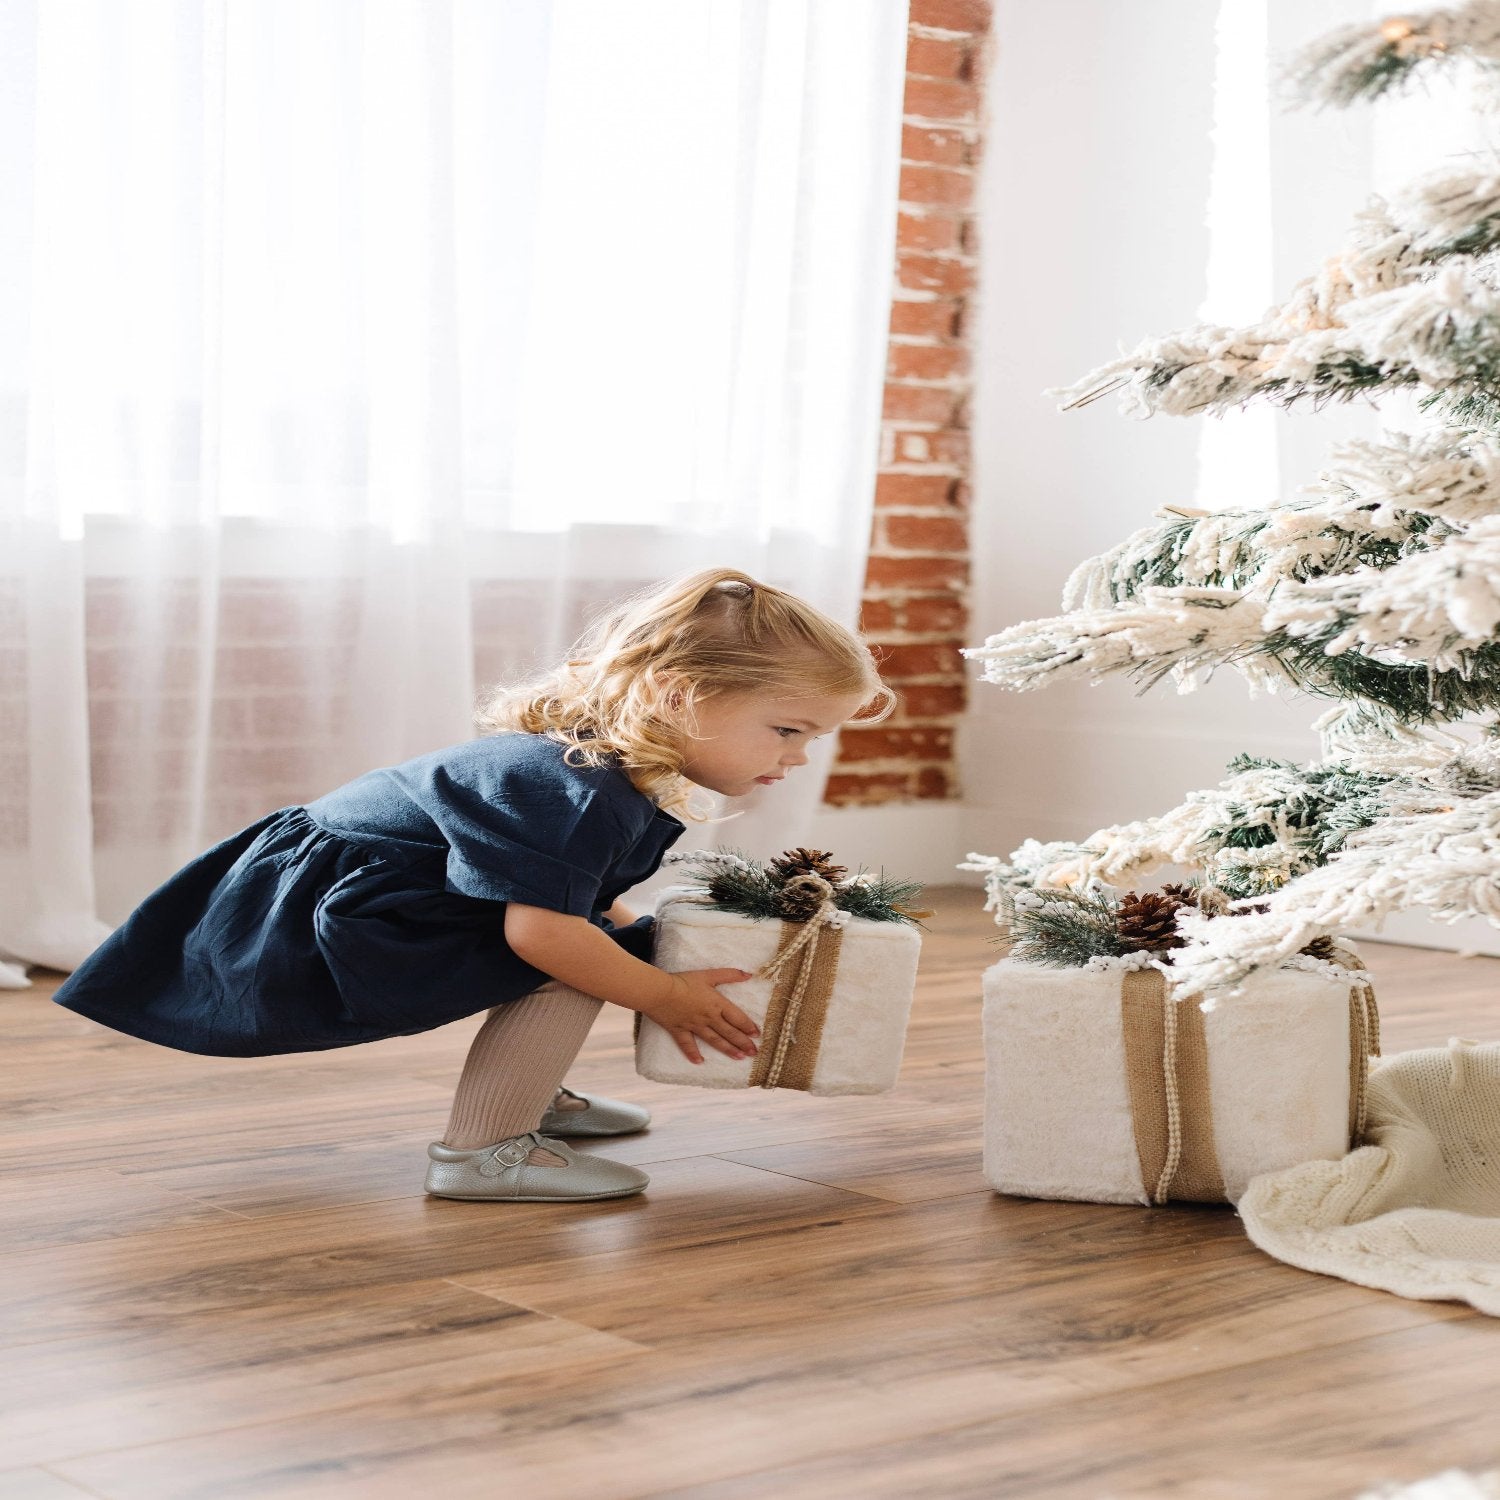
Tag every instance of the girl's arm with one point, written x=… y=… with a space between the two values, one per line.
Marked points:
x=621 y=916
x=686 y=1004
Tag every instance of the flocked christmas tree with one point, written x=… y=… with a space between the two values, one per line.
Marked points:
x=1380 y=590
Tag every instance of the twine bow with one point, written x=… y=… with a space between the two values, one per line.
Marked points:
x=804 y=950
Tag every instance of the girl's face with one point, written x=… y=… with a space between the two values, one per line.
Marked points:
x=745 y=740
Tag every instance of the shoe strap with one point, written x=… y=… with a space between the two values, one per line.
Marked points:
x=508 y=1154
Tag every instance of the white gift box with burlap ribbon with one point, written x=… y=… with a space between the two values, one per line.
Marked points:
x=1102 y=1087
x=831 y=995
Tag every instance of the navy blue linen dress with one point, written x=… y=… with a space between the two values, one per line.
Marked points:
x=378 y=910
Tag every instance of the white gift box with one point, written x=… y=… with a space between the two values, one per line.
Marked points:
x=1077 y=1095
x=863 y=1021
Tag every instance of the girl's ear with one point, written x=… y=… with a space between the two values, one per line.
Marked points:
x=672 y=696
x=672 y=691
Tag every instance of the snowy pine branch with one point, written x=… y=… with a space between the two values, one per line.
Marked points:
x=1370 y=737
x=1188 y=633
x=1442 y=332
x=1267 y=823
x=1248 y=550
x=1185 y=631
x=1405 y=296
x=1447 y=860
x=1450 y=211
x=1369 y=58
x=1451 y=474
x=1432 y=606
x=1371 y=507
x=1382 y=587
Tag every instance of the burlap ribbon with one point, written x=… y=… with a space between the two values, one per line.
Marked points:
x=1166 y=1072
x=804 y=967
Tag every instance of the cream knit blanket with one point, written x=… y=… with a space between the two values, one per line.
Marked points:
x=1417 y=1210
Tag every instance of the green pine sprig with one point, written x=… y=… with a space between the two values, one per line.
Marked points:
x=1064 y=929
x=884 y=899
x=1319 y=73
x=751 y=888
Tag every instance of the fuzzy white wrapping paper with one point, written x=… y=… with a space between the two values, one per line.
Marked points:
x=1057 y=1102
x=865 y=1028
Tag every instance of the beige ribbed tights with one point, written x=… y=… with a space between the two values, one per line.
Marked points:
x=515 y=1068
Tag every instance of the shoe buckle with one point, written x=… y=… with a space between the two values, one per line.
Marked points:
x=510 y=1154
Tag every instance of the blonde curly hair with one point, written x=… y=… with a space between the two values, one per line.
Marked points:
x=702 y=635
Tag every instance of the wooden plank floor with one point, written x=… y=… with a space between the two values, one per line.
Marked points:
x=223 y=1279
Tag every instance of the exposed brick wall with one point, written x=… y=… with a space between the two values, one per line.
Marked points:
x=915 y=611
x=278 y=719
x=274 y=724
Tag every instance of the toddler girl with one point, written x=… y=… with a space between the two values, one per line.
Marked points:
x=487 y=875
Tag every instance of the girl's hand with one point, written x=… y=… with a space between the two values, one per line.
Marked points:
x=693 y=1008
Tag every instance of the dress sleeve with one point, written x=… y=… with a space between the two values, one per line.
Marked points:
x=543 y=850
x=636 y=937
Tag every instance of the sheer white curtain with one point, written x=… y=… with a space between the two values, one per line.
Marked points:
x=352 y=352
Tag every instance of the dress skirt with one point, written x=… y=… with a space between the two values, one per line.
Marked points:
x=286 y=937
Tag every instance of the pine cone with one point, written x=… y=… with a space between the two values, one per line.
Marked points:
x=1207 y=898
x=796 y=902
x=807 y=862
x=1147 y=922
x=1322 y=947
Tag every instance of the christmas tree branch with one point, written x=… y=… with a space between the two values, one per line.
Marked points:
x=1181 y=630
x=1414 y=632
x=1375 y=504
x=1451 y=212
x=1267 y=823
x=1442 y=332
x=1447 y=860
x=1451 y=474
x=1365 y=60
x=1248 y=551
x=1440 y=606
